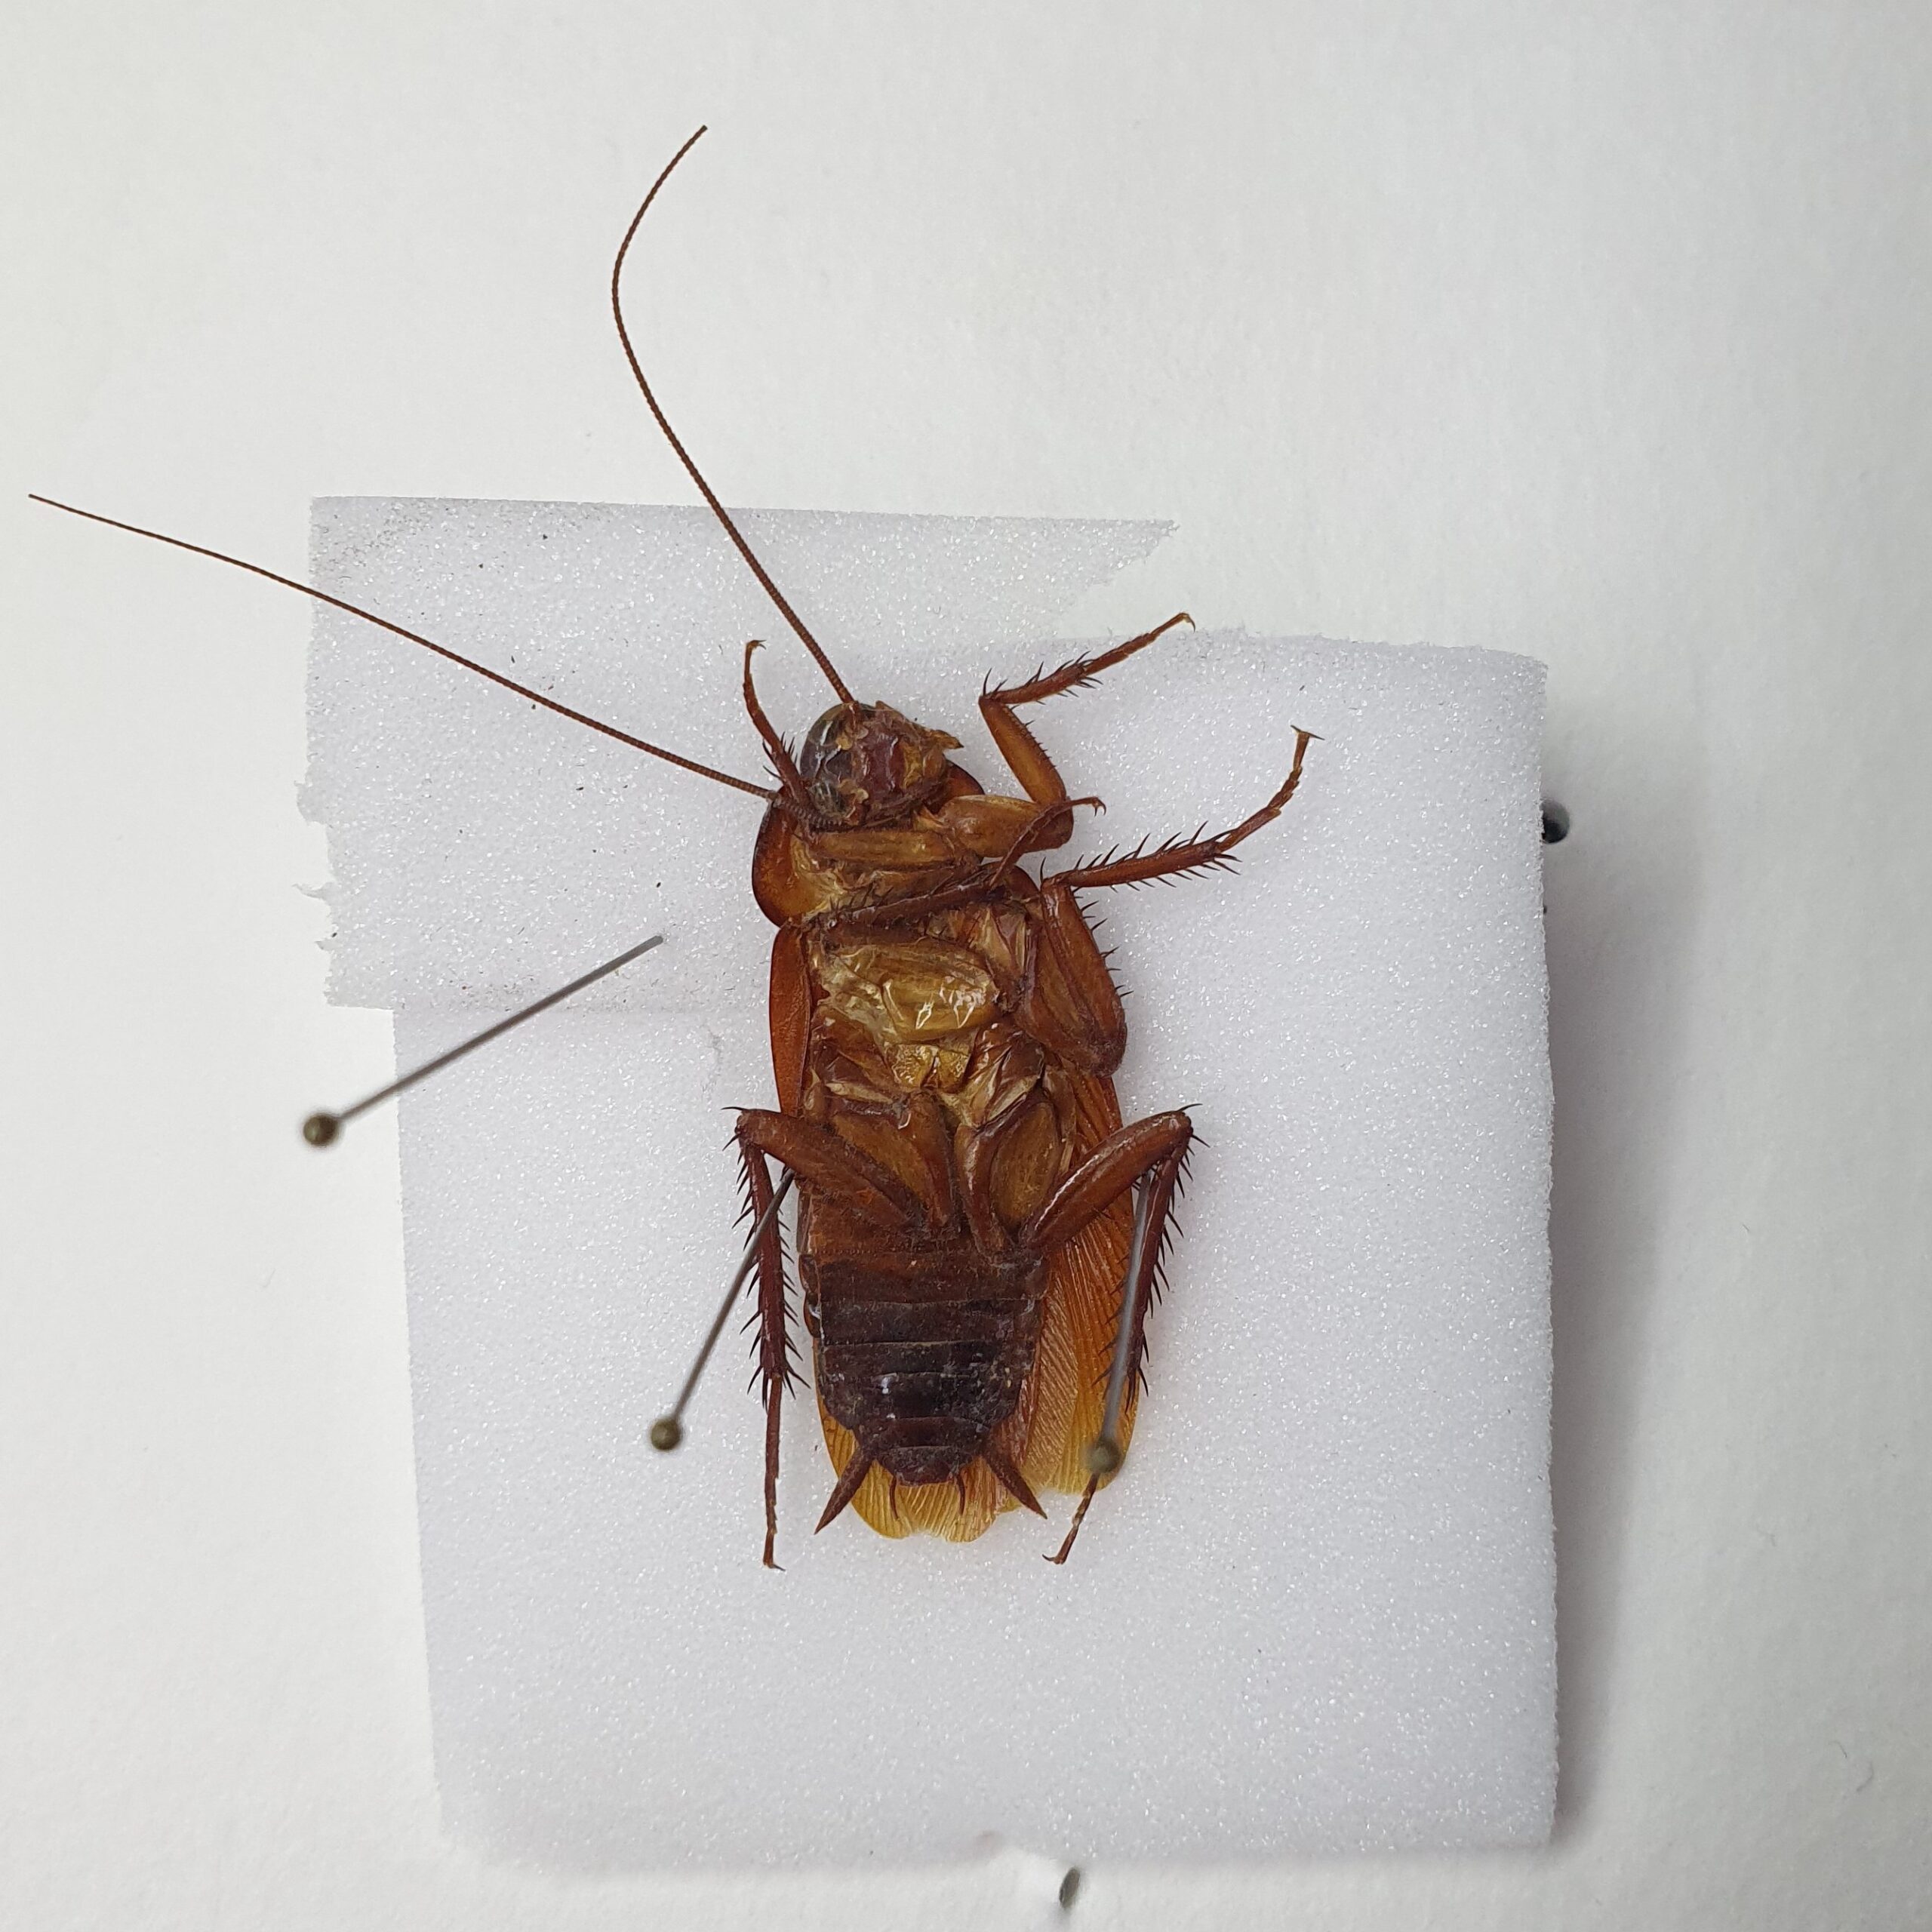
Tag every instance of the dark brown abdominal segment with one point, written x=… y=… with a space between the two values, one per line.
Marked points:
x=923 y=1368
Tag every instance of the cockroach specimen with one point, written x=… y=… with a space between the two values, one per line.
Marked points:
x=976 y=1269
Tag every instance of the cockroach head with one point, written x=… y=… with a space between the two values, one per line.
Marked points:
x=864 y=763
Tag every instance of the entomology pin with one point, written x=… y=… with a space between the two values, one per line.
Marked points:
x=978 y=1233
x=321 y=1130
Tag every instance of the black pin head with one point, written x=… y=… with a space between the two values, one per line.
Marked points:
x=666 y=1432
x=319 y=1129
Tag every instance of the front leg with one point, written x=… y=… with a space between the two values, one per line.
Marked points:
x=1026 y=830
x=1024 y=754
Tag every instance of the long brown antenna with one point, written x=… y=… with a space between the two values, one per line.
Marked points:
x=696 y=475
x=441 y=651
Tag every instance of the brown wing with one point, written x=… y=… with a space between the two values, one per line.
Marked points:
x=957 y=1511
x=1069 y=1379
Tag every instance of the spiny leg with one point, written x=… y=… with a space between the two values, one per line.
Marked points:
x=1152 y=1225
x=823 y=1161
x=1079 y=1517
x=1025 y=755
x=1035 y=833
x=1051 y=825
x=774 y=1348
x=668 y=1431
x=916 y=906
x=818 y=1157
x=1093 y=1187
x=1178 y=856
x=1155 y=1150
x=789 y=782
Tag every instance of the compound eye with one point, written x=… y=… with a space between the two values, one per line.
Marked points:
x=824 y=740
x=825 y=760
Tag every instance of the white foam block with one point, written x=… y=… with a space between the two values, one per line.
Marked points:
x=1316 y=1612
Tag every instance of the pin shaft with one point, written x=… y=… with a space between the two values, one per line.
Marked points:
x=1107 y=1450
x=668 y=1431
x=320 y=1129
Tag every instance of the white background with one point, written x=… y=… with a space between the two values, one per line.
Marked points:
x=1595 y=333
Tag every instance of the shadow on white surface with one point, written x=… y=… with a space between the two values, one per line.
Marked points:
x=1620 y=893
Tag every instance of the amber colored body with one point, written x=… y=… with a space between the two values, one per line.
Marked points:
x=940 y=1051
x=943 y=1030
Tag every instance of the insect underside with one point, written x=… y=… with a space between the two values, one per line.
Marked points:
x=979 y=1235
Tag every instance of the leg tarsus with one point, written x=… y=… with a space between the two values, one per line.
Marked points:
x=1082 y=670
x=1079 y=1517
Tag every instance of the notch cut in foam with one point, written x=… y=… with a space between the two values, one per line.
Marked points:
x=1316 y=1611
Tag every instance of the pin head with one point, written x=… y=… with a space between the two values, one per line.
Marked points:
x=666 y=1432
x=319 y=1129
x=1103 y=1456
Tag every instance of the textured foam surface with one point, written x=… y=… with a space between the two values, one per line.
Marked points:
x=1316 y=1612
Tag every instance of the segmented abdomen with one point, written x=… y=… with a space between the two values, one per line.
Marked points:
x=923 y=1358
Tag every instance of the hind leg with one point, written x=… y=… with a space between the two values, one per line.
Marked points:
x=1153 y=1152
x=819 y=1158
x=774 y=1344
